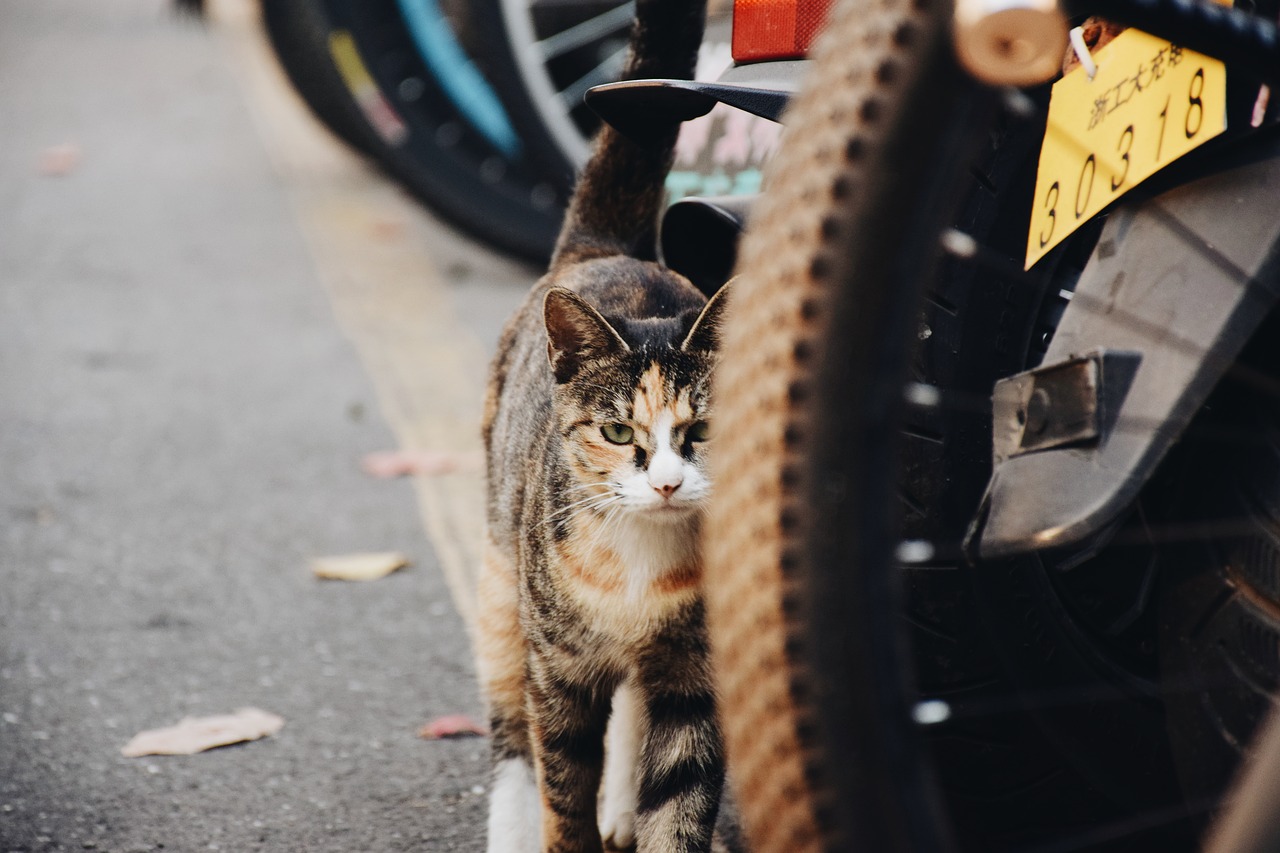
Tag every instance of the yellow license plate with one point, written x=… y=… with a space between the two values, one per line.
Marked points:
x=1149 y=103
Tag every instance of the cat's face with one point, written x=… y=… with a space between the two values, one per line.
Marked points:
x=635 y=421
x=641 y=449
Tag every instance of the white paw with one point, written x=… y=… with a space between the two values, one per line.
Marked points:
x=618 y=830
x=514 y=811
x=621 y=770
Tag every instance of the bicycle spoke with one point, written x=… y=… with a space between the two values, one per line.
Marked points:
x=1116 y=830
x=571 y=96
x=601 y=26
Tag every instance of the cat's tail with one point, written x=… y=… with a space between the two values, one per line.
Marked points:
x=615 y=206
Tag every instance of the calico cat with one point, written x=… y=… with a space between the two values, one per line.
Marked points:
x=596 y=431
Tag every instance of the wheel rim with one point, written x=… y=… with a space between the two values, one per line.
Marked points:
x=541 y=39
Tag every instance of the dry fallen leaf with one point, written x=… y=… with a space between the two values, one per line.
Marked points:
x=385 y=464
x=358 y=567
x=196 y=734
x=451 y=725
x=59 y=160
x=387 y=229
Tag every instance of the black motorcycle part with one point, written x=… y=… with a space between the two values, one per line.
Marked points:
x=699 y=238
x=1219 y=594
x=1250 y=42
x=634 y=107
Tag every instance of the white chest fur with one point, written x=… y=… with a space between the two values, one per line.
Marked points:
x=653 y=570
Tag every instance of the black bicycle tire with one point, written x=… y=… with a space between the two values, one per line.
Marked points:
x=298 y=31
x=517 y=212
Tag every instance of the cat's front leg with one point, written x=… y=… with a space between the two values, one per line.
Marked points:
x=514 y=812
x=682 y=756
x=622 y=769
x=567 y=722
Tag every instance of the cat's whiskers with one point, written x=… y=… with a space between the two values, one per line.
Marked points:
x=584 y=486
x=572 y=509
x=599 y=537
x=591 y=502
x=603 y=490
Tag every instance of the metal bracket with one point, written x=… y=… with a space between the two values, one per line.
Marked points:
x=1057 y=405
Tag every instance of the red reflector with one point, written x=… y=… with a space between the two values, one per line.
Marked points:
x=775 y=29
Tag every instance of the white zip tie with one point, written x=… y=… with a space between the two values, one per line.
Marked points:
x=1082 y=52
x=1260 y=106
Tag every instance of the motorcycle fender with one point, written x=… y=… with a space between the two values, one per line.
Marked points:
x=635 y=108
x=1172 y=292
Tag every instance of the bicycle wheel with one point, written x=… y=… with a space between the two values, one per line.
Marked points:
x=543 y=55
x=299 y=34
x=828 y=477
x=365 y=71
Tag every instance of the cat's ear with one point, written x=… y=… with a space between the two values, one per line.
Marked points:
x=704 y=336
x=575 y=333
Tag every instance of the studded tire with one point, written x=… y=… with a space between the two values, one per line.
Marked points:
x=813 y=695
x=813 y=629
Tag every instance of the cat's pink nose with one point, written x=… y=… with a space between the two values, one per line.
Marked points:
x=666 y=489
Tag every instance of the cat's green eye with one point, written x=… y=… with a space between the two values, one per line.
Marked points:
x=618 y=433
x=700 y=431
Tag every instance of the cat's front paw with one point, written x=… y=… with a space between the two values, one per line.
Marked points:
x=618 y=830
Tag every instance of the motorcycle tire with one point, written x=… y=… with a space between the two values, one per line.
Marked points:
x=813 y=682
x=828 y=476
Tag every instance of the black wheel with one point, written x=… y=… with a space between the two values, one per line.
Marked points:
x=542 y=55
x=880 y=692
x=299 y=33
x=816 y=684
x=389 y=78
x=1219 y=625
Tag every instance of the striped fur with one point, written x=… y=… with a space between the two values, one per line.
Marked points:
x=595 y=435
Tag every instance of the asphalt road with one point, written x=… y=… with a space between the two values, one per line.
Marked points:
x=195 y=354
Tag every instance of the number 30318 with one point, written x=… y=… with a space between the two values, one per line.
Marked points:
x=1127 y=148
